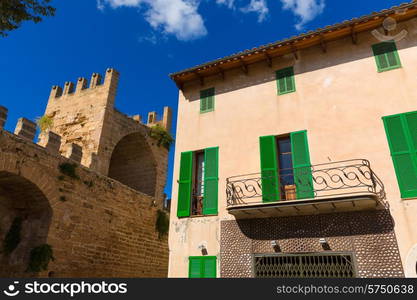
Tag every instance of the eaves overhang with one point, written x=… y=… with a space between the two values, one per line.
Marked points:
x=291 y=45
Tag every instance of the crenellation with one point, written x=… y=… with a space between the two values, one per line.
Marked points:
x=3 y=116
x=165 y=121
x=95 y=80
x=25 y=129
x=68 y=88
x=56 y=92
x=74 y=152
x=81 y=84
x=112 y=78
x=152 y=118
x=137 y=118
x=50 y=140
x=167 y=118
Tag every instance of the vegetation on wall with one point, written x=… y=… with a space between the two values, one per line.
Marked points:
x=44 y=123
x=39 y=258
x=162 y=223
x=162 y=136
x=12 y=239
x=69 y=170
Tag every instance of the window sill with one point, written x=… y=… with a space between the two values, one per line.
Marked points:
x=199 y=216
x=285 y=93
x=206 y=111
x=408 y=198
x=389 y=69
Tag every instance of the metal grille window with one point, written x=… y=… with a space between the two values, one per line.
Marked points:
x=304 y=266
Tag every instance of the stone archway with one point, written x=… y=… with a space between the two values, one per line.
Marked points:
x=132 y=163
x=21 y=200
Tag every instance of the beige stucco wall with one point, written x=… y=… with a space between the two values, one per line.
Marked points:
x=340 y=100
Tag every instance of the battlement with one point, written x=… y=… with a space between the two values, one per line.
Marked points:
x=26 y=130
x=152 y=120
x=110 y=82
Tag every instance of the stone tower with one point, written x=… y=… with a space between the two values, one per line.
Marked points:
x=113 y=144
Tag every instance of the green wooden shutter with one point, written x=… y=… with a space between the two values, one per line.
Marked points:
x=202 y=267
x=411 y=122
x=209 y=266
x=269 y=169
x=195 y=267
x=211 y=181
x=207 y=100
x=401 y=135
x=301 y=163
x=386 y=56
x=185 y=184
x=285 y=81
x=210 y=99
x=203 y=101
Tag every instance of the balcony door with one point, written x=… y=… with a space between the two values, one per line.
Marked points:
x=285 y=168
x=198 y=182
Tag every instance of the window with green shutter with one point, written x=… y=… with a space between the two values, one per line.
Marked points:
x=285 y=81
x=211 y=181
x=401 y=133
x=286 y=167
x=185 y=184
x=207 y=100
x=202 y=267
x=269 y=169
x=386 y=56
x=198 y=183
x=302 y=166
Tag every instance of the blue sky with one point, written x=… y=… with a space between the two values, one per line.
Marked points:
x=145 y=40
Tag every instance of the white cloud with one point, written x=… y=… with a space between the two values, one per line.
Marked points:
x=306 y=10
x=182 y=19
x=177 y=17
x=257 y=6
x=228 y=3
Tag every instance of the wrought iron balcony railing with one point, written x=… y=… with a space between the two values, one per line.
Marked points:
x=330 y=180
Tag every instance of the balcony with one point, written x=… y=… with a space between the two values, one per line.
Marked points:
x=332 y=187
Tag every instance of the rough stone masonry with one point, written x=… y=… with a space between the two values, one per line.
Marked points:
x=90 y=187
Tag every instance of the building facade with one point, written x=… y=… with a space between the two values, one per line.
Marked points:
x=88 y=194
x=298 y=159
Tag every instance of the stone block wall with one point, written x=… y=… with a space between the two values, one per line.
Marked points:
x=90 y=188
x=96 y=226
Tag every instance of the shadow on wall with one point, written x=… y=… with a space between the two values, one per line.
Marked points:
x=318 y=226
x=309 y=60
x=132 y=163
x=23 y=204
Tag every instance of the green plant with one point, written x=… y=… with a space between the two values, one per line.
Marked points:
x=69 y=170
x=162 y=223
x=162 y=136
x=39 y=258
x=44 y=123
x=12 y=239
